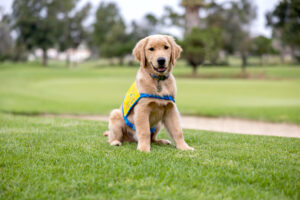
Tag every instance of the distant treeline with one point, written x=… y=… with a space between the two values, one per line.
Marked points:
x=223 y=29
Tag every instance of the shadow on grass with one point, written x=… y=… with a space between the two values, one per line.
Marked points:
x=22 y=113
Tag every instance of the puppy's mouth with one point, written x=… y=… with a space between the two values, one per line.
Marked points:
x=160 y=69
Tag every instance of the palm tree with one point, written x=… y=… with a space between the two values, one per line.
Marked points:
x=192 y=18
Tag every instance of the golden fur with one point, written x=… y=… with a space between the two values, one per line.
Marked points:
x=149 y=112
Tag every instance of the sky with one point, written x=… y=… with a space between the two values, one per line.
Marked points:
x=136 y=9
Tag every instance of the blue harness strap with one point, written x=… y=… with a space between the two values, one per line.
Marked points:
x=165 y=97
x=144 y=95
x=128 y=123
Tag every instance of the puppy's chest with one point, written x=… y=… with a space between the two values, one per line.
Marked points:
x=158 y=108
x=163 y=89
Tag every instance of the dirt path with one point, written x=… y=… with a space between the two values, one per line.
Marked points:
x=228 y=125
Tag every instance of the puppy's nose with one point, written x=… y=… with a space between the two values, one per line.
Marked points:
x=161 y=61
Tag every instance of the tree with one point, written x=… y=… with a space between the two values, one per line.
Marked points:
x=261 y=46
x=201 y=45
x=237 y=18
x=196 y=47
x=232 y=18
x=137 y=31
x=107 y=15
x=110 y=32
x=150 y=24
x=116 y=43
x=6 y=44
x=213 y=43
x=35 y=22
x=285 y=19
x=192 y=18
x=244 y=49
x=72 y=25
x=171 y=18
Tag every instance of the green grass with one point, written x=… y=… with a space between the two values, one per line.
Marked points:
x=46 y=158
x=95 y=89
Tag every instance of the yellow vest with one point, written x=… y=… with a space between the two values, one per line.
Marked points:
x=131 y=99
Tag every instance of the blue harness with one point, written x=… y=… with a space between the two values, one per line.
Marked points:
x=130 y=100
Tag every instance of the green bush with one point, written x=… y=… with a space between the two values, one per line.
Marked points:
x=201 y=45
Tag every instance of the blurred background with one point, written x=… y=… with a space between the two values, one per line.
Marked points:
x=240 y=57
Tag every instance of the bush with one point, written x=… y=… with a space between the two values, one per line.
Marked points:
x=201 y=45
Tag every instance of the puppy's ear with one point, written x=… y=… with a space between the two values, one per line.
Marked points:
x=139 y=51
x=175 y=49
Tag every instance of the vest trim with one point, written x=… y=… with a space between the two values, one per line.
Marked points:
x=144 y=95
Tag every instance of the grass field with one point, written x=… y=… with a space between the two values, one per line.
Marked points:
x=46 y=158
x=94 y=89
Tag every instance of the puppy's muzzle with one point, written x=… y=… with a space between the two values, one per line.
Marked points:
x=161 y=61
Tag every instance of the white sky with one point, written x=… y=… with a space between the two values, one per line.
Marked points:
x=136 y=9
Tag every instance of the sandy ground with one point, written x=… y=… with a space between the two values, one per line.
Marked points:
x=227 y=125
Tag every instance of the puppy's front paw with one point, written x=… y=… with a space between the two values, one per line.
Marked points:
x=115 y=143
x=143 y=148
x=185 y=147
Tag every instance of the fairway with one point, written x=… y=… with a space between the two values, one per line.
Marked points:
x=46 y=158
x=94 y=89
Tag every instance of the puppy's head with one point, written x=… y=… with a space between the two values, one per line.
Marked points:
x=158 y=53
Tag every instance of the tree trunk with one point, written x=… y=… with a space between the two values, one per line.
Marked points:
x=226 y=58
x=261 y=60
x=194 y=70
x=267 y=59
x=111 y=61
x=68 y=60
x=282 y=57
x=295 y=58
x=244 y=63
x=45 y=57
x=130 y=62
x=192 y=18
x=121 y=61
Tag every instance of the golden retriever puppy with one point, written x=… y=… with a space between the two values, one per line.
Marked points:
x=150 y=101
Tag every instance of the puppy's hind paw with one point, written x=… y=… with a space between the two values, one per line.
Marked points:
x=115 y=143
x=162 y=141
x=106 y=133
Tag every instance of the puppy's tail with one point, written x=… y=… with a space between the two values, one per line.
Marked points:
x=106 y=133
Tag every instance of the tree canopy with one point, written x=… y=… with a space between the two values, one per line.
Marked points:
x=261 y=46
x=201 y=45
x=223 y=26
x=285 y=19
x=6 y=44
x=110 y=32
x=47 y=23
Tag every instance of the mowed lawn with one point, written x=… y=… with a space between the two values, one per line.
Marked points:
x=93 y=89
x=47 y=158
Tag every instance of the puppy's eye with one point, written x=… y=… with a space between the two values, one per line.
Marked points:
x=151 y=49
x=166 y=47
